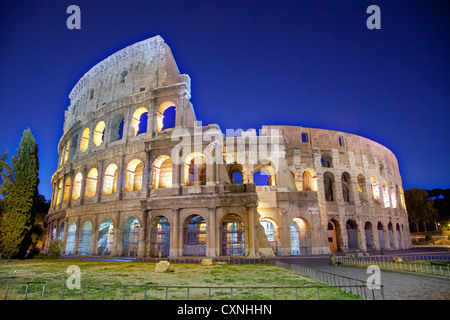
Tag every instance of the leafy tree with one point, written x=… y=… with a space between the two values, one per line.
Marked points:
x=420 y=210
x=4 y=176
x=19 y=192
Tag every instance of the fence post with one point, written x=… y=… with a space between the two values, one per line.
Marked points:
x=26 y=292
x=43 y=291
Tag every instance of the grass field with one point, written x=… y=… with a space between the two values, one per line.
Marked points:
x=118 y=274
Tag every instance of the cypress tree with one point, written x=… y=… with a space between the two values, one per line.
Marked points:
x=20 y=191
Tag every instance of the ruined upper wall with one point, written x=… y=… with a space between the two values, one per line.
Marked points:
x=142 y=66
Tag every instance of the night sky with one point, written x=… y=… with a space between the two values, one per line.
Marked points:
x=303 y=63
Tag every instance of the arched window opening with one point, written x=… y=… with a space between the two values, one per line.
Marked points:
x=195 y=237
x=134 y=175
x=309 y=180
x=236 y=174
x=346 y=187
x=300 y=237
x=165 y=116
x=381 y=236
x=162 y=172
x=105 y=237
x=91 y=183
x=131 y=237
x=195 y=170
x=393 y=195
x=66 y=151
x=84 y=143
x=110 y=179
x=369 y=237
x=61 y=232
x=99 y=133
x=58 y=193
x=352 y=235
x=169 y=118
x=70 y=242
x=233 y=243
x=264 y=176
x=361 y=187
x=160 y=238
x=77 y=186
x=66 y=189
x=375 y=188
x=271 y=234
x=85 y=241
x=328 y=184
x=385 y=194
x=117 y=128
x=332 y=235
x=391 y=236
x=139 y=121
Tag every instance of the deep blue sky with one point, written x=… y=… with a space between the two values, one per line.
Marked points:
x=305 y=63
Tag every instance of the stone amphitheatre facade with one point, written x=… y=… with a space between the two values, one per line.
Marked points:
x=130 y=183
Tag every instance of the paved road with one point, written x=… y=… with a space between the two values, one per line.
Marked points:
x=397 y=286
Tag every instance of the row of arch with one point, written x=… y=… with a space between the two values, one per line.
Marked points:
x=137 y=125
x=383 y=238
x=105 y=239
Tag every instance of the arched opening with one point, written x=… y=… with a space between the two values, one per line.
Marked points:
x=346 y=186
x=66 y=151
x=393 y=195
x=160 y=238
x=386 y=201
x=91 y=183
x=105 y=237
x=391 y=236
x=162 y=172
x=381 y=236
x=61 y=232
x=110 y=179
x=195 y=170
x=264 y=176
x=233 y=242
x=58 y=192
x=361 y=187
x=70 y=242
x=309 y=180
x=328 y=185
x=333 y=231
x=134 y=174
x=399 y=240
x=375 y=188
x=300 y=236
x=85 y=241
x=271 y=234
x=117 y=128
x=236 y=174
x=165 y=116
x=352 y=235
x=131 y=237
x=66 y=189
x=139 y=121
x=84 y=143
x=77 y=186
x=99 y=133
x=195 y=236
x=369 y=236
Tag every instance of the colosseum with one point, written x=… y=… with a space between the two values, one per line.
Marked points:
x=139 y=176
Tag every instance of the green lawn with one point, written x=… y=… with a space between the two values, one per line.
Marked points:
x=126 y=273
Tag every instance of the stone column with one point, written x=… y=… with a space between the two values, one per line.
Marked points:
x=251 y=229
x=211 y=250
x=174 y=233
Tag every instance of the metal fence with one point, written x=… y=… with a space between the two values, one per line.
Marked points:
x=390 y=264
x=39 y=291
x=351 y=285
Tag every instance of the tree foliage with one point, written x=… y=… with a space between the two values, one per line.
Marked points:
x=19 y=189
x=420 y=210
